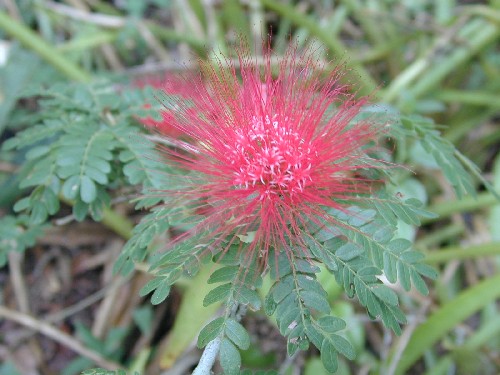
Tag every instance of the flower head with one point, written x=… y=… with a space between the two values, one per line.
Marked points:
x=273 y=150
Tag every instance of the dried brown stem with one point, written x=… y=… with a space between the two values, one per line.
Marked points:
x=57 y=335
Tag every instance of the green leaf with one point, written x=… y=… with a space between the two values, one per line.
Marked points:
x=330 y=323
x=247 y=296
x=17 y=234
x=269 y=304
x=35 y=134
x=289 y=319
x=349 y=251
x=70 y=187
x=224 y=274
x=218 y=294
x=80 y=209
x=210 y=332
x=447 y=316
x=141 y=159
x=392 y=208
x=88 y=191
x=329 y=356
x=342 y=346
x=282 y=288
x=386 y=294
x=443 y=151
x=150 y=286
x=237 y=334
x=315 y=301
x=39 y=213
x=143 y=317
x=143 y=234
x=229 y=357
x=161 y=293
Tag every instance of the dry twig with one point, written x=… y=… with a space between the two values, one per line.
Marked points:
x=57 y=335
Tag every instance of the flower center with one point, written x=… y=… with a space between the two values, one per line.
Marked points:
x=271 y=155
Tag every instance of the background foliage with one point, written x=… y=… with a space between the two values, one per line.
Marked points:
x=72 y=155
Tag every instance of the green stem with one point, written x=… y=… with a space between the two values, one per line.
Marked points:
x=461 y=253
x=440 y=235
x=166 y=34
x=46 y=51
x=481 y=35
x=428 y=71
x=365 y=18
x=466 y=204
x=480 y=98
x=84 y=43
x=465 y=120
x=111 y=219
x=117 y=223
x=355 y=72
x=446 y=317
x=488 y=331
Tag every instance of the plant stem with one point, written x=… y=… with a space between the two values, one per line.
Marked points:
x=208 y=357
x=428 y=71
x=479 y=34
x=46 y=51
x=58 y=336
x=446 y=317
x=355 y=72
x=207 y=360
x=440 y=235
x=190 y=317
x=169 y=35
x=461 y=253
x=117 y=223
x=473 y=97
x=458 y=206
x=83 y=43
x=112 y=219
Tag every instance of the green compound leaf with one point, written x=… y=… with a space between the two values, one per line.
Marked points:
x=135 y=250
x=443 y=151
x=359 y=278
x=85 y=154
x=17 y=234
x=229 y=357
x=393 y=208
x=141 y=160
x=394 y=256
x=35 y=134
x=85 y=145
x=294 y=298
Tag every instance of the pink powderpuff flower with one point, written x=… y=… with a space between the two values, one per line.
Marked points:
x=274 y=150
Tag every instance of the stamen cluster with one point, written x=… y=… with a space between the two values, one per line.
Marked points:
x=271 y=155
